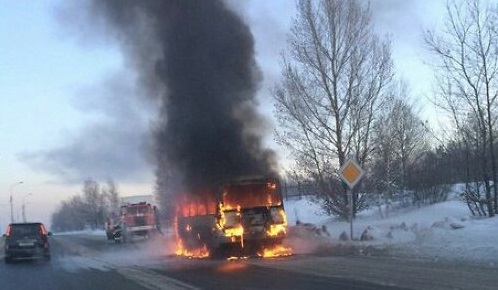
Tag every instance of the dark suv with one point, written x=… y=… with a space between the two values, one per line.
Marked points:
x=26 y=240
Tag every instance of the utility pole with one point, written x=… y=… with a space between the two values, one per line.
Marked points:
x=12 y=201
x=23 y=213
x=23 y=208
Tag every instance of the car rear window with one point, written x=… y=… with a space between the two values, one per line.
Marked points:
x=25 y=231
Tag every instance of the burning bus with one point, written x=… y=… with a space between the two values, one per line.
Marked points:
x=240 y=217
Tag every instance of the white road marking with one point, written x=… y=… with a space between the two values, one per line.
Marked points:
x=153 y=280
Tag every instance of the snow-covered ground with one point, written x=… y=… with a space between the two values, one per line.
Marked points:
x=445 y=231
x=85 y=232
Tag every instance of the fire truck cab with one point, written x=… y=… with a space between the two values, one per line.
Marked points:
x=137 y=218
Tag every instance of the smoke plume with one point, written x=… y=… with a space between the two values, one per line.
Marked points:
x=197 y=59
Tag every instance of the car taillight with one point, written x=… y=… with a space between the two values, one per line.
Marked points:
x=43 y=230
x=9 y=230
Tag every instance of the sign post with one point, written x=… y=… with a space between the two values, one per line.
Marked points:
x=351 y=173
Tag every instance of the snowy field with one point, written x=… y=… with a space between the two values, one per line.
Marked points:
x=443 y=231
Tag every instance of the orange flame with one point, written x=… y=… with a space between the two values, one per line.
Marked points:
x=279 y=228
x=199 y=253
x=276 y=251
x=181 y=250
x=233 y=231
x=276 y=230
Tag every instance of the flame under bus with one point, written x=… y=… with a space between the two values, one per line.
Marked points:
x=243 y=217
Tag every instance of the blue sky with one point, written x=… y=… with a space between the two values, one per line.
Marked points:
x=60 y=123
x=42 y=70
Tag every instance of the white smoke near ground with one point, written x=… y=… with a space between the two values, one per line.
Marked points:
x=141 y=251
x=111 y=255
x=309 y=244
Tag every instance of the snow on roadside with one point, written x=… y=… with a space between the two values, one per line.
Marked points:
x=304 y=210
x=441 y=231
x=85 y=232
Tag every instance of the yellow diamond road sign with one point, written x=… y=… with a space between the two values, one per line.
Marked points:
x=351 y=173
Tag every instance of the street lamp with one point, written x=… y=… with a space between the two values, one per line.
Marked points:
x=24 y=207
x=2 y=204
x=12 y=202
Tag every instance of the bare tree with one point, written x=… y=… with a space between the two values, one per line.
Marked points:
x=93 y=200
x=90 y=208
x=62 y=219
x=333 y=80
x=425 y=181
x=72 y=215
x=111 y=194
x=466 y=50
x=471 y=144
x=399 y=140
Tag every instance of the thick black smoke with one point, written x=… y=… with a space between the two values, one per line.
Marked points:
x=197 y=58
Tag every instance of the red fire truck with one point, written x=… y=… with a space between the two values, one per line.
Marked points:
x=137 y=218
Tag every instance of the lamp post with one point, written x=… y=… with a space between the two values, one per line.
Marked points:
x=2 y=204
x=24 y=207
x=12 y=202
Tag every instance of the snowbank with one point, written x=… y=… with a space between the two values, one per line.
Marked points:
x=304 y=210
x=83 y=232
x=440 y=231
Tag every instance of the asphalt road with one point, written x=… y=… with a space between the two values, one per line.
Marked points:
x=90 y=262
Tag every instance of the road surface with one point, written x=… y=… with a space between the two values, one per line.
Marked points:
x=88 y=261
